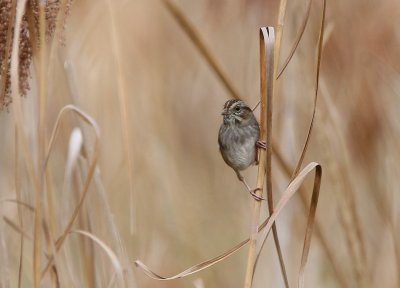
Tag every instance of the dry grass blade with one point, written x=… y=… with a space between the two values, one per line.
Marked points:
x=20 y=9
x=41 y=145
x=17 y=228
x=267 y=42
x=294 y=186
x=93 y=162
x=309 y=230
x=199 y=44
x=19 y=202
x=123 y=106
x=318 y=65
x=266 y=226
x=114 y=259
x=271 y=65
x=279 y=32
x=20 y=214
x=298 y=39
x=330 y=253
x=85 y=117
x=267 y=80
x=300 y=161
x=196 y=268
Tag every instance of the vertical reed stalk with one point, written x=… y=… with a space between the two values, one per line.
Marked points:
x=19 y=123
x=123 y=106
x=267 y=40
x=41 y=144
x=275 y=65
x=20 y=211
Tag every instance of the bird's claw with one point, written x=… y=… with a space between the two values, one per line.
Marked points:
x=255 y=196
x=261 y=144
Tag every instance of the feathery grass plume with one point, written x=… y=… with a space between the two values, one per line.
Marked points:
x=29 y=36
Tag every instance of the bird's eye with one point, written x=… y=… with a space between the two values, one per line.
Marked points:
x=237 y=108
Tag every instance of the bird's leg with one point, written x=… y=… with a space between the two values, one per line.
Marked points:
x=251 y=191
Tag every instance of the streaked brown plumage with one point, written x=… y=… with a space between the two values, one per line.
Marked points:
x=238 y=137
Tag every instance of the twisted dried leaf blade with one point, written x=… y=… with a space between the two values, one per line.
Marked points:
x=266 y=225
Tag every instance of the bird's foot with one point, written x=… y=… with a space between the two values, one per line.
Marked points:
x=261 y=144
x=255 y=196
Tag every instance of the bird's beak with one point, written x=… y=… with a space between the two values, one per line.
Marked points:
x=224 y=112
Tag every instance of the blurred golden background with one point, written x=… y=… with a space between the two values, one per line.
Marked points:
x=188 y=205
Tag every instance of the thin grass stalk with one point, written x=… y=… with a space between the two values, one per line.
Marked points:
x=279 y=33
x=277 y=52
x=50 y=251
x=125 y=121
x=267 y=41
x=20 y=213
x=297 y=40
x=23 y=204
x=20 y=127
x=86 y=246
x=17 y=228
x=41 y=144
x=201 y=47
x=54 y=44
x=113 y=258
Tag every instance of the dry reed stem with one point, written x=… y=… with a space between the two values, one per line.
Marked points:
x=17 y=228
x=297 y=40
x=267 y=43
x=277 y=53
x=200 y=45
x=279 y=33
x=20 y=215
x=19 y=202
x=41 y=146
x=300 y=161
x=21 y=132
x=318 y=67
x=125 y=121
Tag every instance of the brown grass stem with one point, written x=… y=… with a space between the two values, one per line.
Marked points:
x=125 y=121
x=279 y=33
x=297 y=40
x=277 y=53
x=20 y=9
x=267 y=42
x=41 y=145
x=20 y=212
x=201 y=46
